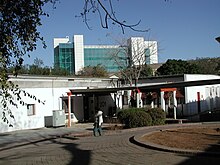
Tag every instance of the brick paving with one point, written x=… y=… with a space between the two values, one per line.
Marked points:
x=114 y=148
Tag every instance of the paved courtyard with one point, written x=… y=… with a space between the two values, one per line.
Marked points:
x=114 y=148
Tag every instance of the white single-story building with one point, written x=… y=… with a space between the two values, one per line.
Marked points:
x=44 y=95
x=41 y=95
x=200 y=99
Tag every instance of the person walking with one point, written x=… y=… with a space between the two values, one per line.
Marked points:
x=98 y=123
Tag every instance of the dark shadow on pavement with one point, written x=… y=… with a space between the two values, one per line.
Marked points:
x=211 y=156
x=21 y=144
x=78 y=156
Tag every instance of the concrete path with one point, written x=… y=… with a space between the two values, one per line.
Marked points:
x=76 y=146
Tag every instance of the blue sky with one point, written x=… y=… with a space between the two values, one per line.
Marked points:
x=184 y=29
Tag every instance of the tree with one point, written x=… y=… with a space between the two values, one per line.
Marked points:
x=19 y=22
x=107 y=15
x=18 y=36
x=207 y=65
x=59 y=72
x=218 y=68
x=34 y=69
x=38 y=69
x=38 y=62
x=173 y=67
x=146 y=71
x=23 y=70
x=93 y=71
x=131 y=59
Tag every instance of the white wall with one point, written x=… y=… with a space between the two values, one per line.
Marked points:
x=50 y=97
x=56 y=41
x=48 y=90
x=78 y=52
x=209 y=94
x=21 y=119
x=138 y=46
x=152 y=46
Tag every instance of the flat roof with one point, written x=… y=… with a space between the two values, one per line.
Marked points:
x=149 y=87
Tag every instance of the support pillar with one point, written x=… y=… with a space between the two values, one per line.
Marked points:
x=174 y=104
x=152 y=104
x=129 y=98
x=139 y=101
x=69 y=109
x=162 y=101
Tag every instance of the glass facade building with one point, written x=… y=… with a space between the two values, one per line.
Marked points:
x=103 y=56
x=64 y=57
x=73 y=56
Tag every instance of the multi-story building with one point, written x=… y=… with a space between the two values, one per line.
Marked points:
x=73 y=56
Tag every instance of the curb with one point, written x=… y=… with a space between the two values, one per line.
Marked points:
x=135 y=140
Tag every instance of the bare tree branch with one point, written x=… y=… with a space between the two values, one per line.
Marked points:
x=133 y=61
x=106 y=14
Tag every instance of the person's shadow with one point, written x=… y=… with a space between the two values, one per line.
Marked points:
x=79 y=157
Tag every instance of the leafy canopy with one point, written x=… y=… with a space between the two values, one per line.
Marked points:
x=174 y=67
x=18 y=36
x=208 y=65
x=93 y=71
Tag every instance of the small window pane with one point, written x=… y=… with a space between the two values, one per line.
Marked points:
x=31 y=109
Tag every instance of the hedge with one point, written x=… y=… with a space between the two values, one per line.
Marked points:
x=134 y=118
x=139 y=117
x=158 y=116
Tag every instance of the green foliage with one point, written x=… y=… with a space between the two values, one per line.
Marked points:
x=59 y=72
x=93 y=71
x=18 y=23
x=197 y=66
x=139 y=117
x=19 y=33
x=158 y=116
x=174 y=67
x=207 y=65
x=134 y=118
x=37 y=68
x=146 y=71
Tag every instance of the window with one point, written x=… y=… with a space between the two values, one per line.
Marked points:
x=31 y=109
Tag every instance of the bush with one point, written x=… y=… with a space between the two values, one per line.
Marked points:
x=134 y=118
x=158 y=116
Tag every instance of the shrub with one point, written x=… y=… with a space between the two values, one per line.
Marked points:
x=123 y=116
x=134 y=118
x=158 y=116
